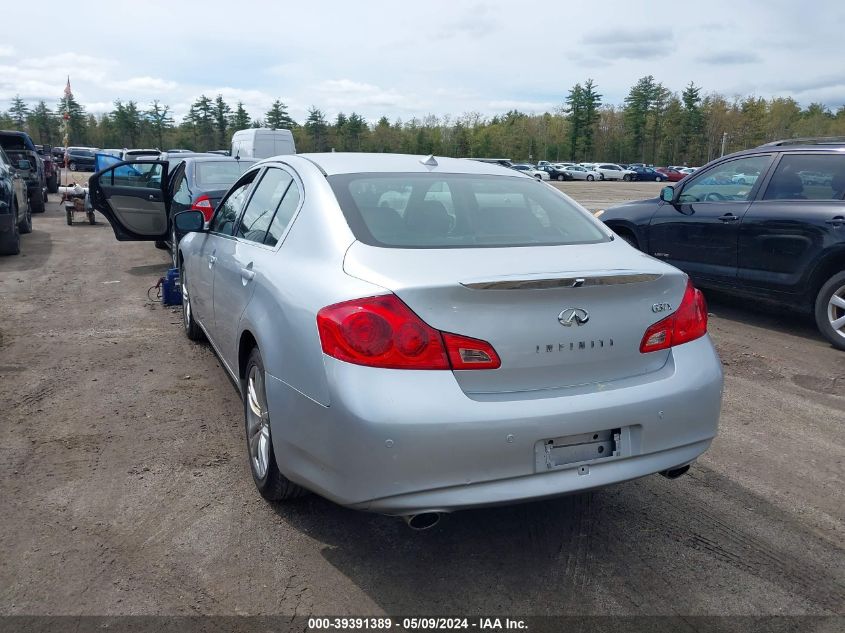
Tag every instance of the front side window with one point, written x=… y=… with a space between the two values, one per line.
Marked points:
x=140 y=175
x=459 y=211
x=808 y=177
x=262 y=205
x=227 y=213
x=731 y=180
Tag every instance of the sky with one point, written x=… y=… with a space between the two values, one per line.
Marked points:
x=404 y=59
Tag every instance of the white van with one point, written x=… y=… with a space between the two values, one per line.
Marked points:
x=262 y=143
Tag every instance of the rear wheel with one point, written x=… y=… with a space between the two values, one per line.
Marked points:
x=658 y=179
x=10 y=242
x=36 y=201
x=192 y=328
x=601 y=176
x=561 y=177
x=72 y=166
x=830 y=310
x=590 y=177
x=271 y=483
x=627 y=177
x=25 y=225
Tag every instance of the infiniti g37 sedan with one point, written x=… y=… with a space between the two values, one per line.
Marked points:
x=419 y=335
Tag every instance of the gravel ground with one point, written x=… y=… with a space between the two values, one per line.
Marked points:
x=125 y=488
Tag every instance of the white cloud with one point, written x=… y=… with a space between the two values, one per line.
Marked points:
x=6 y=51
x=144 y=85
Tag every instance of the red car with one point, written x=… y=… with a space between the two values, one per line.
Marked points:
x=672 y=175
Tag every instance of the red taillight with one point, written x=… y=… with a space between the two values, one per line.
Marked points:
x=203 y=203
x=384 y=332
x=687 y=323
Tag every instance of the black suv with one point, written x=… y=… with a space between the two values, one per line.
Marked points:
x=767 y=222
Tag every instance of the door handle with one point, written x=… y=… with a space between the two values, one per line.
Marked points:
x=247 y=274
x=151 y=197
x=729 y=217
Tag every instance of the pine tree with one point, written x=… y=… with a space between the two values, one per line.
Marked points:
x=277 y=117
x=356 y=132
x=317 y=129
x=201 y=117
x=638 y=105
x=43 y=124
x=127 y=120
x=222 y=112
x=160 y=121
x=18 y=113
x=692 y=123
x=240 y=119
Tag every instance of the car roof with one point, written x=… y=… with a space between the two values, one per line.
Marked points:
x=353 y=162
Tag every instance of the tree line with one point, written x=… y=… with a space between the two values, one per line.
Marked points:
x=652 y=125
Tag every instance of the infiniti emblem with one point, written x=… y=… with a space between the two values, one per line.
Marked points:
x=577 y=316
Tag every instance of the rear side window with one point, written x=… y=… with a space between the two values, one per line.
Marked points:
x=263 y=204
x=222 y=173
x=808 y=177
x=284 y=214
x=459 y=211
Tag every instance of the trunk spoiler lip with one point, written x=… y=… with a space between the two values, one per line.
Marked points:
x=568 y=281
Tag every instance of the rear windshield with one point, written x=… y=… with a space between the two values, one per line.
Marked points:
x=459 y=211
x=223 y=172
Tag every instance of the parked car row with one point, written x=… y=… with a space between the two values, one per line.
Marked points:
x=28 y=164
x=15 y=208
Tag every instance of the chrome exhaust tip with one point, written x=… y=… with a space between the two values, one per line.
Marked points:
x=422 y=521
x=674 y=473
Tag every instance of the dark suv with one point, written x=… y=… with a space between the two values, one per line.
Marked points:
x=767 y=222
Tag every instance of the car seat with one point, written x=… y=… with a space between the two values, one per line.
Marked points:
x=786 y=186
x=428 y=218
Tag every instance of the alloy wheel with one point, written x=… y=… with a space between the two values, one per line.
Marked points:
x=257 y=423
x=186 y=300
x=836 y=311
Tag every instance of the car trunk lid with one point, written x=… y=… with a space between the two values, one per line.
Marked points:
x=555 y=315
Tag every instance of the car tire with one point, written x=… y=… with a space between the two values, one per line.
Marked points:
x=53 y=184
x=36 y=201
x=590 y=177
x=658 y=179
x=830 y=308
x=192 y=329
x=25 y=225
x=271 y=483
x=561 y=177
x=72 y=166
x=601 y=176
x=10 y=243
x=627 y=177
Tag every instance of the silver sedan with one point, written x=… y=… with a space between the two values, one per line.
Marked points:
x=416 y=335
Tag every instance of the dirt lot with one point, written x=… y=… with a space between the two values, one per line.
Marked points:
x=125 y=488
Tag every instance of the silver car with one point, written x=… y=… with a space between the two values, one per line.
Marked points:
x=417 y=335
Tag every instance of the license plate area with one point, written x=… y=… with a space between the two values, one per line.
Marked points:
x=584 y=448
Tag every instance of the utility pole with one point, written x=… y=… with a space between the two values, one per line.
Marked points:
x=724 y=142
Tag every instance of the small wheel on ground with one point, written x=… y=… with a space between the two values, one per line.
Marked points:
x=830 y=310
x=91 y=218
x=590 y=177
x=269 y=480
x=69 y=217
x=192 y=328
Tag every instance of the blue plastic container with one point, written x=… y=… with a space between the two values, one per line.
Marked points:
x=171 y=289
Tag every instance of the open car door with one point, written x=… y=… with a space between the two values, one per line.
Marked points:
x=133 y=198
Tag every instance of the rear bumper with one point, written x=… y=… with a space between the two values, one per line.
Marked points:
x=401 y=442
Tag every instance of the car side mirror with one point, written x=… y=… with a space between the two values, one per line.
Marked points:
x=24 y=164
x=667 y=194
x=189 y=222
